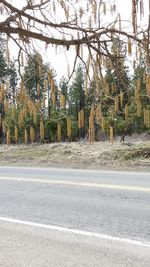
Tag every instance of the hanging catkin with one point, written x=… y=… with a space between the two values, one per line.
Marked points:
x=69 y=127
x=81 y=12
x=38 y=105
x=138 y=85
x=34 y=114
x=30 y=106
x=6 y=104
x=25 y=137
x=86 y=85
x=22 y=59
x=94 y=11
x=98 y=113
x=7 y=87
x=45 y=85
x=104 y=8
x=126 y=112
x=116 y=104
x=119 y=20
x=8 y=137
x=82 y=117
x=32 y=134
x=91 y=129
x=144 y=115
x=53 y=96
x=20 y=119
x=103 y=124
x=111 y=134
x=148 y=85
x=1 y=98
x=22 y=92
x=38 y=89
x=41 y=129
x=129 y=47
x=13 y=111
x=134 y=16
x=141 y=9
x=16 y=134
x=62 y=101
x=144 y=76
x=139 y=108
x=52 y=85
x=147 y=118
x=54 y=8
x=58 y=131
x=113 y=88
x=79 y=120
x=44 y=101
x=91 y=126
x=121 y=98
x=137 y=91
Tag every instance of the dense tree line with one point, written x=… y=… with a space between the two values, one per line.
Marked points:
x=101 y=96
x=38 y=108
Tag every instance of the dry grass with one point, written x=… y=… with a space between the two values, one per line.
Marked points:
x=134 y=154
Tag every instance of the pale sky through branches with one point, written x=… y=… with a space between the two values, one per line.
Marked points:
x=124 y=7
x=60 y=58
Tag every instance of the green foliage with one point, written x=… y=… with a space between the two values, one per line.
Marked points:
x=103 y=101
x=51 y=127
x=63 y=84
x=12 y=73
x=77 y=93
x=118 y=76
x=3 y=68
x=35 y=72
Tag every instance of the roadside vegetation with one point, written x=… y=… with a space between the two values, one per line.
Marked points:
x=38 y=108
x=105 y=96
x=133 y=155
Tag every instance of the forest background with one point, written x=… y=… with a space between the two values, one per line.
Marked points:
x=107 y=91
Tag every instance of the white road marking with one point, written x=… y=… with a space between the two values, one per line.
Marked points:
x=72 y=183
x=76 y=232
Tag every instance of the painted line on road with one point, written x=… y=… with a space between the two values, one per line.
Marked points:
x=72 y=183
x=76 y=232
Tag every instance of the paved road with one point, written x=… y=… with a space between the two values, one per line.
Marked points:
x=115 y=204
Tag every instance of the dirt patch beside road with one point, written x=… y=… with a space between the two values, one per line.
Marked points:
x=132 y=155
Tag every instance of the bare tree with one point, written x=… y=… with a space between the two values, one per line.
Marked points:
x=83 y=25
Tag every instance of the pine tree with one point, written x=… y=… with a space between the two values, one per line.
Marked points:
x=76 y=92
x=35 y=72
x=77 y=99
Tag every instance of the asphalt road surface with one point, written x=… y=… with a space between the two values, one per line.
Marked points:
x=63 y=217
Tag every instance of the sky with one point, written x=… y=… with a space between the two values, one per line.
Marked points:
x=60 y=60
x=124 y=7
x=57 y=59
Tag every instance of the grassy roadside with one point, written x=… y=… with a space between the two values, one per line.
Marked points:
x=100 y=155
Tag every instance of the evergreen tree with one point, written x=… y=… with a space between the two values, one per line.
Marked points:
x=35 y=72
x=3 y=68
x=13 y=78
x=63 y=85
x=77 y=93
x=140 y=73
x=119 y=82
x=77 y=100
